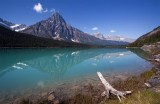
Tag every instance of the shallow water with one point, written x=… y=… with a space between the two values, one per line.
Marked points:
x=22 y=69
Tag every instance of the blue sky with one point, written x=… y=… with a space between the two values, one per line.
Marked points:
x=130 y=18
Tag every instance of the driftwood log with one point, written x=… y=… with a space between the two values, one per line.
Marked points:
x=110 y=90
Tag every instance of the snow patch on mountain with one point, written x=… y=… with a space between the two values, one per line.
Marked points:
x=16 y=25
x=122 y=38
x=20 y=29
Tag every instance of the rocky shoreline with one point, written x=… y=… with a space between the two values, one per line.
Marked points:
x=154 y=51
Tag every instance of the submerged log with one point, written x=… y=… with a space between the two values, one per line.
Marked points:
x=110 y=90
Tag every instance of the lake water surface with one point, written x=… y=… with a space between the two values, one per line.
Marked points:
x=28 y=68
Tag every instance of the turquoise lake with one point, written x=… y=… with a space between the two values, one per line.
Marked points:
x=27 y=68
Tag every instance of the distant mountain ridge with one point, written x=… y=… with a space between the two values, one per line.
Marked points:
x=117 y=38
x=12 y=26
x=148 y=38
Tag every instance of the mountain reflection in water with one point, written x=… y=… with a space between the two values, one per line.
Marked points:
x=28 y=67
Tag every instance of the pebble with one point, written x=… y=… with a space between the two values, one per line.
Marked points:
x=148 y=85
x=158 y=60
x=51 y=97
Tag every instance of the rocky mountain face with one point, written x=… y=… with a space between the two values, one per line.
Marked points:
x=55 y=27
x=148 y=38
x=12 y=26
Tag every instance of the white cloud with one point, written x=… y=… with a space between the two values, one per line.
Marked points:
x=112 y=31
x=95 y=28
x=38 y=8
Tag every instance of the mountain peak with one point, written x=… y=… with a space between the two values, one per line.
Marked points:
x=56 y=13
x=56 y=17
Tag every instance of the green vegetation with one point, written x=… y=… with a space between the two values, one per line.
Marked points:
x=148 y=74
x=146 y=39
x=139 y=97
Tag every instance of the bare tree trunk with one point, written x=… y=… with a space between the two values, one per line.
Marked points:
x=110 y=90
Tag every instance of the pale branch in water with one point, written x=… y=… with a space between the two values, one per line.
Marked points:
x=110 y=90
